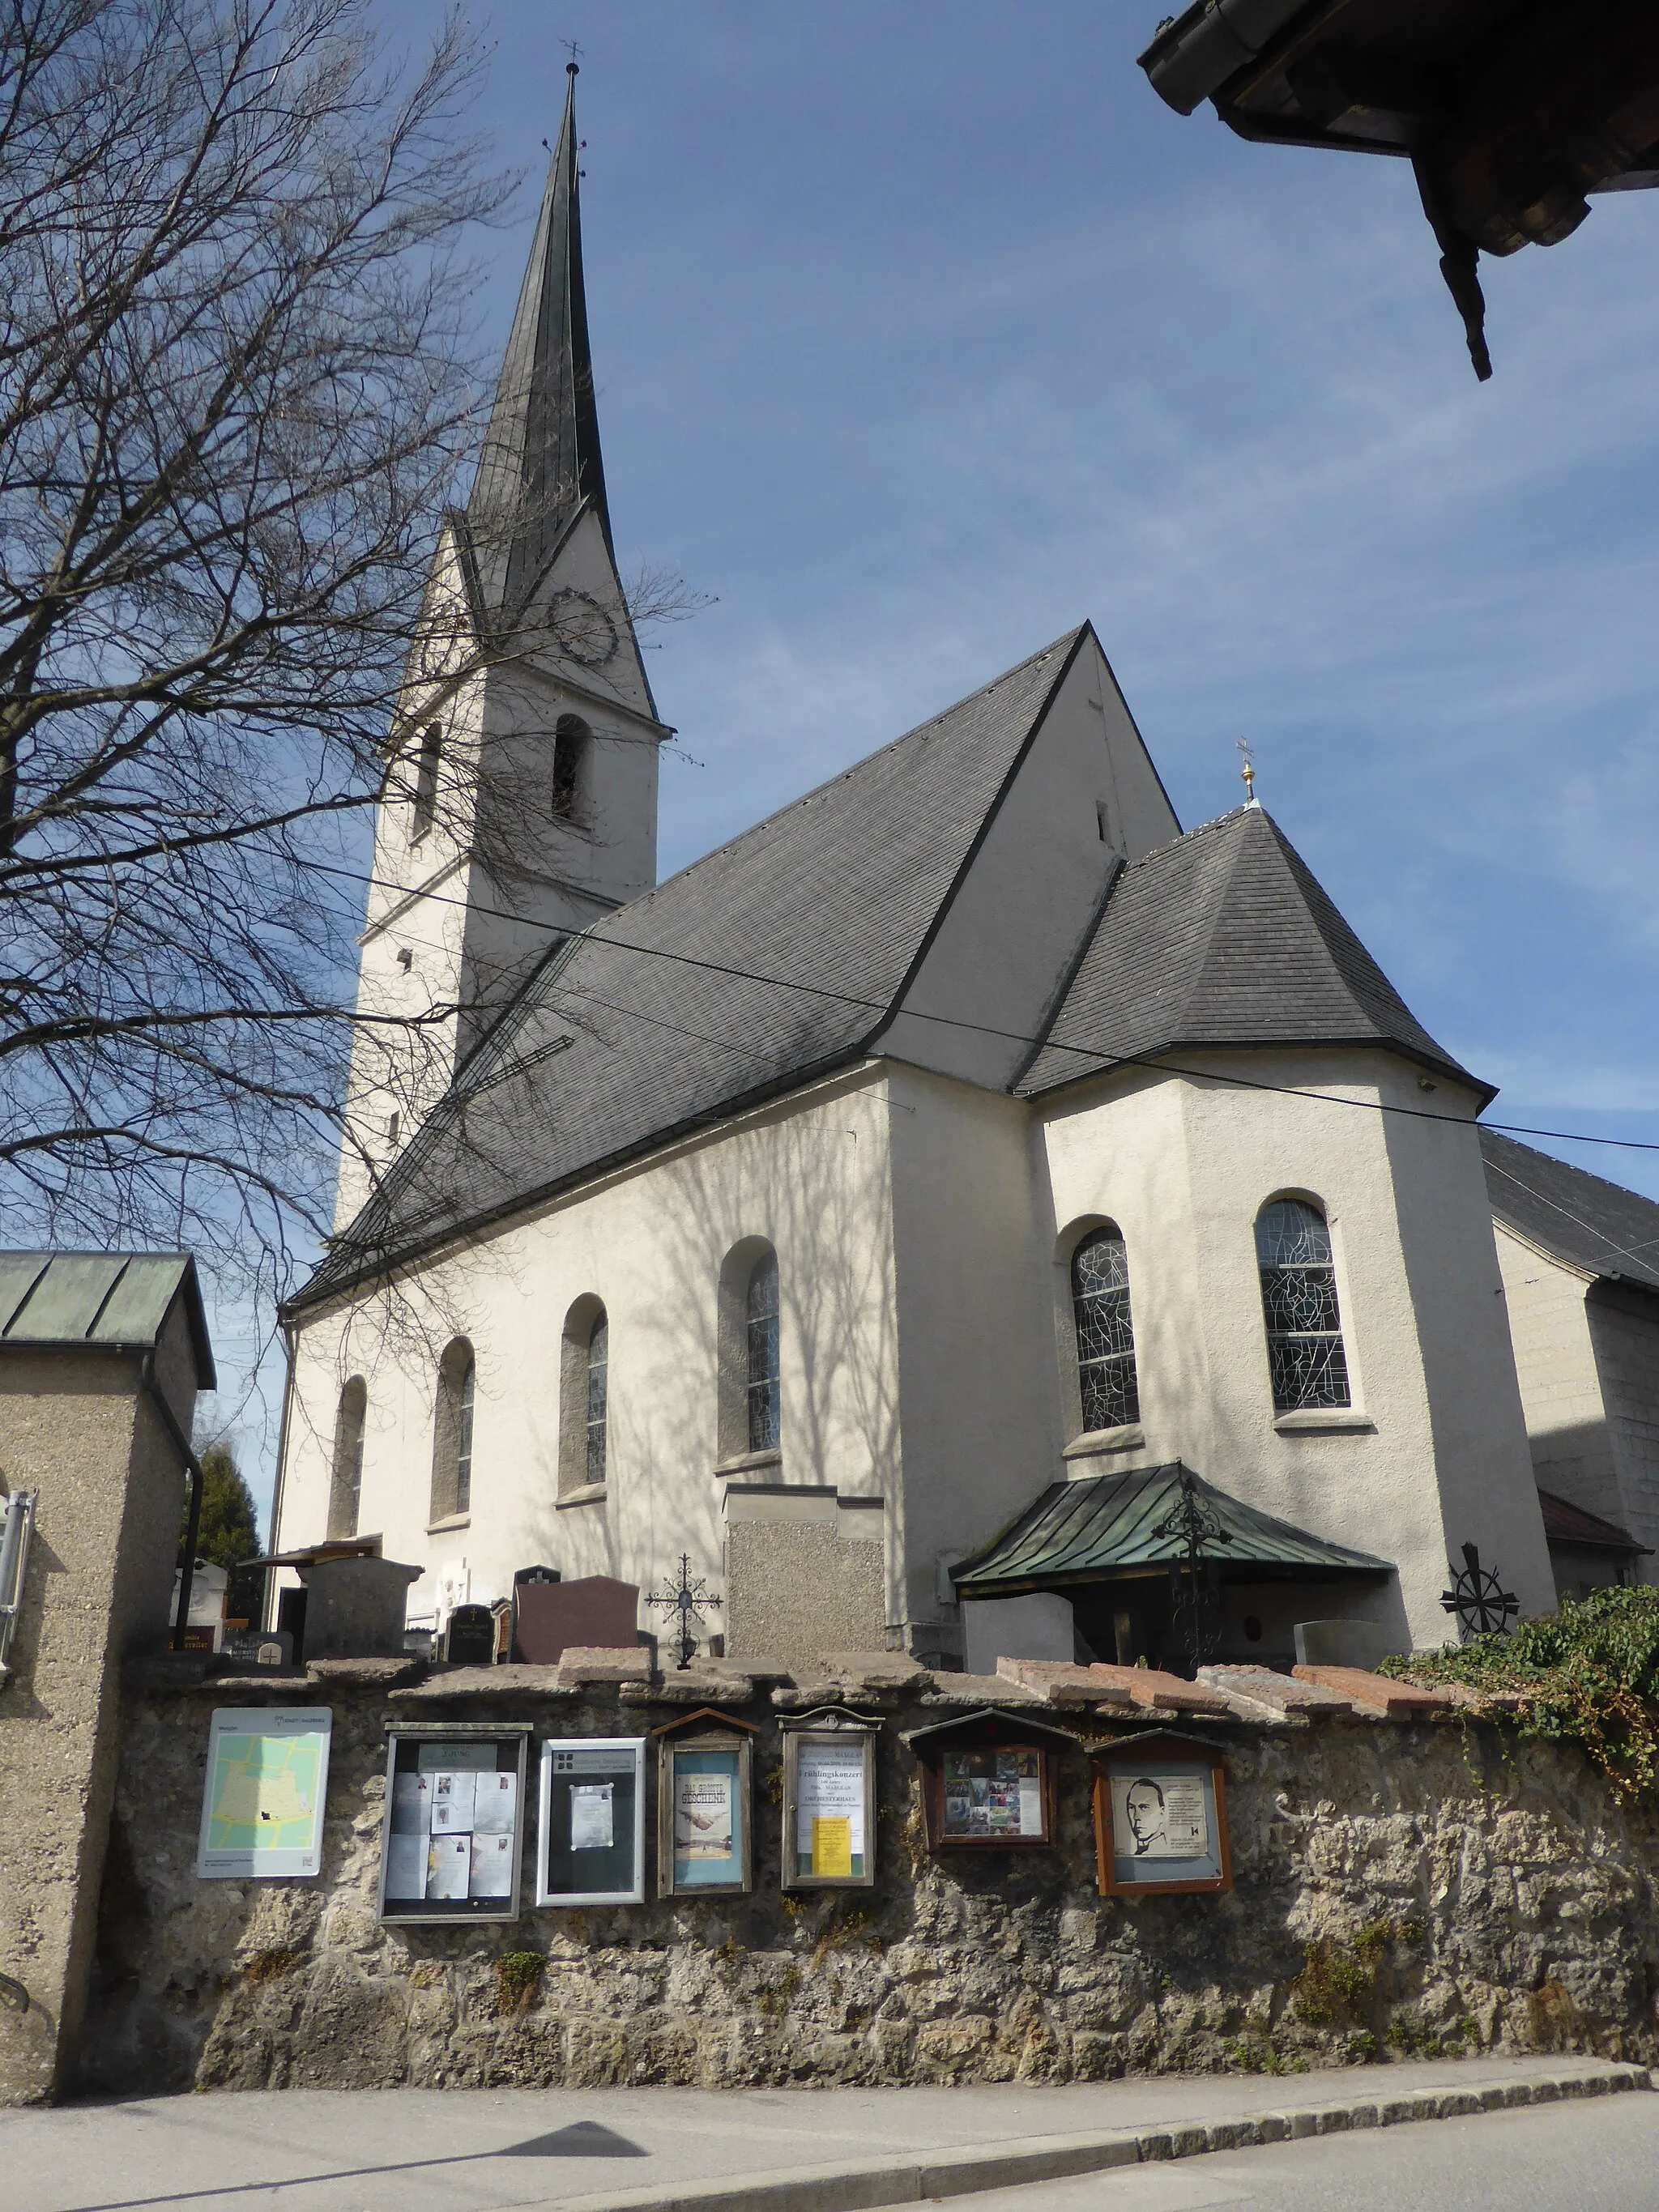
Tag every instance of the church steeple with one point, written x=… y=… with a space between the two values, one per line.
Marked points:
x=541 y=459
x=525 y=804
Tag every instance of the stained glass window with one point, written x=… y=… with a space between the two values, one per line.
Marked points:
x=464 y=1439
x=1299 y=1302
x=1105 y=1331
x=599 y=1357
x=763 y=1379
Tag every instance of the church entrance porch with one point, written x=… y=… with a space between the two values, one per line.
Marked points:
x=1157 y=1565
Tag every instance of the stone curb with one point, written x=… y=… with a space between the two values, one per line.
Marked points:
x=864 y=2184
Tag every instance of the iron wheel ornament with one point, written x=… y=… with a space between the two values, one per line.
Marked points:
x=689 y=1598
x=1482 y=1605
x=582 y=628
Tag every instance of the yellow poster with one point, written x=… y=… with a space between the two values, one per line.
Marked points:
x=832 y=1844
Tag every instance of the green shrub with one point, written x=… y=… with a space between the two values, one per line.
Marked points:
x=1589 y=1674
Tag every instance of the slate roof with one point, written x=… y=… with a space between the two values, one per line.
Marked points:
x=541 y=460
x=108 y=1301
x=1223 y=937
x=1103 y=1526
x=786 y=951
x=1598 y=1226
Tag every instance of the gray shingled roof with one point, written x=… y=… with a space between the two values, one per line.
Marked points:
x=541 y=458
x=1598 y=1226
x=104 y=1301
x=1223 y=937
x=611 y=1048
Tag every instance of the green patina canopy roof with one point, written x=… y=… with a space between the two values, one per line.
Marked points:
x=1103 y=1527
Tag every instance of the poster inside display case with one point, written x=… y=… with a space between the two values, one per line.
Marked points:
x=989 y=1779
x=1161 y=1817
x=704 y=1806
x=591 y=1846
x=452 y=1844
x=829 y=1802
x=994 y=1797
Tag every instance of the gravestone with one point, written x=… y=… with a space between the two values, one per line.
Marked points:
x=533 y=1577
x=470 y=1638
x=355 y=1608
x=594 y=1610
x=1342 y=1644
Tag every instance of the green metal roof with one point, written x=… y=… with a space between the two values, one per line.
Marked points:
x=105 y=1301
x=1101 y=1528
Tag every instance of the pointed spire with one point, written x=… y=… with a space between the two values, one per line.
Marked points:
x=541 y=456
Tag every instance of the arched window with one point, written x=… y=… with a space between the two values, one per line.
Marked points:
x=452 y=1432
x=428 y=755
x=1299 y=1302
x=346 y=1482
x=571 y=739
x=584 y=1397
x=599 y=1390
x=762 y=1384
x=1105 y=1331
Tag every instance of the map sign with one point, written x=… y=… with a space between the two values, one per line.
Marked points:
x=262 y=1805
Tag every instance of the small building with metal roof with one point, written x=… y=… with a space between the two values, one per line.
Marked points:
x=101 y=1358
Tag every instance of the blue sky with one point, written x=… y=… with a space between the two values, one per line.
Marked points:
x=924 y=329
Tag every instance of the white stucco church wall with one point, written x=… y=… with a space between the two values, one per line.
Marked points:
x=914 y=1037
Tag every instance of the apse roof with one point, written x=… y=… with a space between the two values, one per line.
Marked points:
x=777 y=957
x=1597 y=1226
x=1224 y=937
x=1099 y=1527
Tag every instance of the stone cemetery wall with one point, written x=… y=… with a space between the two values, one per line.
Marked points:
x=1413 y=1885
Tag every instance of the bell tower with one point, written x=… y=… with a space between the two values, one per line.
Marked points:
x=520 y=798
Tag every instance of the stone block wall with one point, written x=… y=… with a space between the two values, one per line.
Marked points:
x=1403 y=1888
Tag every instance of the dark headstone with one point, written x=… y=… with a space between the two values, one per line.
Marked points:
x=470 y=1638
x=524 y=1579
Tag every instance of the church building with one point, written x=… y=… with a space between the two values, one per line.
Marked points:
x=930 y=1214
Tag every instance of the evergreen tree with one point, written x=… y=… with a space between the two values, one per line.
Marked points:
x=229 y=1529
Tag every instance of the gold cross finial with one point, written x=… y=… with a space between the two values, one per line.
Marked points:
x=1248 y=771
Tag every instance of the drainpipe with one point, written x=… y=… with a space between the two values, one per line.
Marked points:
x=290 y=1348
x=169 y=1421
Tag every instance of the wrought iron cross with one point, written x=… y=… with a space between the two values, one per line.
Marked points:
x=690 y=1598
x=1248 y=772
x=1195 y=1584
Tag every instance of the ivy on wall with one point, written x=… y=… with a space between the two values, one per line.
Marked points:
x=1587 y=1674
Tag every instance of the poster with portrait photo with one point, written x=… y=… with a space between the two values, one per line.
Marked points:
x=1160 y=1818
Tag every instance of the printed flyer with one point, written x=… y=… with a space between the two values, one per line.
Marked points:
x=830 y=1808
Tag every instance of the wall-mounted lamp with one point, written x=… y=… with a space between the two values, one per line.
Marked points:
x=13 y=1565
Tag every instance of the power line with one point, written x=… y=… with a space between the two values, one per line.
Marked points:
x=1159 y=1064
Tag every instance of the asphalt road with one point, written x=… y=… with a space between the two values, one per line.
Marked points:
x=1601 y=2156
